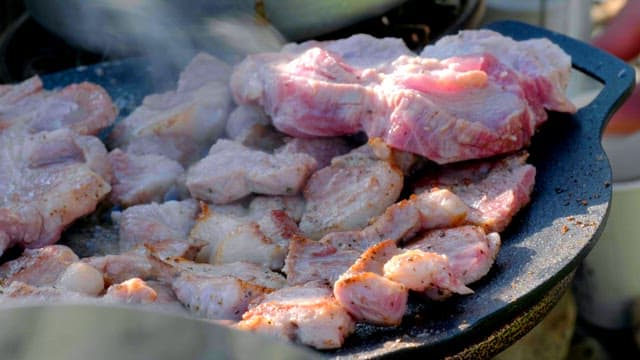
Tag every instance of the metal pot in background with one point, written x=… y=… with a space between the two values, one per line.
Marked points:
x=121 y=27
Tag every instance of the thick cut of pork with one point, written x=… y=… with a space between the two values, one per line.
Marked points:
x=349 y=193
x=48 y=180
x=412 y=103
x=183 y=123
x=232 y=171
x=309 y=315
x=496 y=190
x=153 y=223
x=139 y=179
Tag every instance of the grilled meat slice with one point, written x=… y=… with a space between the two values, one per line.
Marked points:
x=310 y=260
x=48 y=180
x=152 y=223
x=470 y=252
x=496 y=190
x=403 y=220
x=349 y=193
x=309 y=315
x=139 y=179
x=366 y=294
x=232 y=171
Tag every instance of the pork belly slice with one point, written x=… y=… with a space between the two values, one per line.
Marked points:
x=366 y=294
x=310 y=260
x=412 y=103
x=469 y=249
x=256 y=274
x=38 y=267
x=139 y=179
x=152 y=223
x=349 y=193
x=232 y=171
x=264 y=242
x=251 y=127
x=496 y=189
x=182 y=123
x=225 y=292
x=48 y=180
x=309 y=315
x=403 y=220
x=258 y=233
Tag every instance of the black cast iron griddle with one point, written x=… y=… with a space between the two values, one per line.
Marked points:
x=541 y=248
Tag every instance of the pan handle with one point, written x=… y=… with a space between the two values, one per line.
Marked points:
x=617 y=76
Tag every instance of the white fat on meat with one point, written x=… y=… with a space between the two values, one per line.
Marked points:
x=264 y=242
x=182 y=123
x=308 y=315
x=139 y=179
x=251 y=127
x=346 y=195
x=232 y=171
x=495 y=190
x=47 y=182
x=81 y=278
x=257 y=233
x=152 y=223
